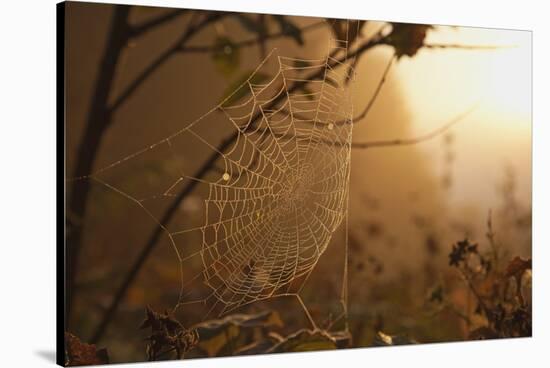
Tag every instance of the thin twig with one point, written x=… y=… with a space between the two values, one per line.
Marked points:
x=466 y=47
x=251 y=41
x=162 y=58
x=372 y=100
x=391 y=142
x=261 y=36
x=491 y=237
x=476 y=294
x=146 y=26
x=410 y=141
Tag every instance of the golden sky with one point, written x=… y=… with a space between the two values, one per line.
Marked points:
x=441 y=84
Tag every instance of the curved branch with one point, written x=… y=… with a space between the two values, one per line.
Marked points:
x=421 y=138
x=465 y=47
x=98 y=119
x=161 y=59
x=252 y=41
x=146 y=26
x=376 y=91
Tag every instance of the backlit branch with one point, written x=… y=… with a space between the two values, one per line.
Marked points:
x=388 y=142
x=465 y=47
x=371 y=102
x=415 y=140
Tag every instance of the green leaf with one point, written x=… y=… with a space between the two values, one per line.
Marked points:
x=226 y=56
x=237 y=90
x=290 y=29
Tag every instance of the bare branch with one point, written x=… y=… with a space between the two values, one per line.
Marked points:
x=143 y=28
x=389 y=142
x=465 y=47
x=376 y=91
x=162 y=58
x=252 y=41
x=97 y=120
x=261 y=36
x=179 y=46
x=411 y=141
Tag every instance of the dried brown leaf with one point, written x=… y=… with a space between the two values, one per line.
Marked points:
x=79 y=353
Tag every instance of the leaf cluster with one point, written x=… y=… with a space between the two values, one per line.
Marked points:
x=499 y=291
x=167 y=335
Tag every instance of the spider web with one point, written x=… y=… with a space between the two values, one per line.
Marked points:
x=277 y=189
